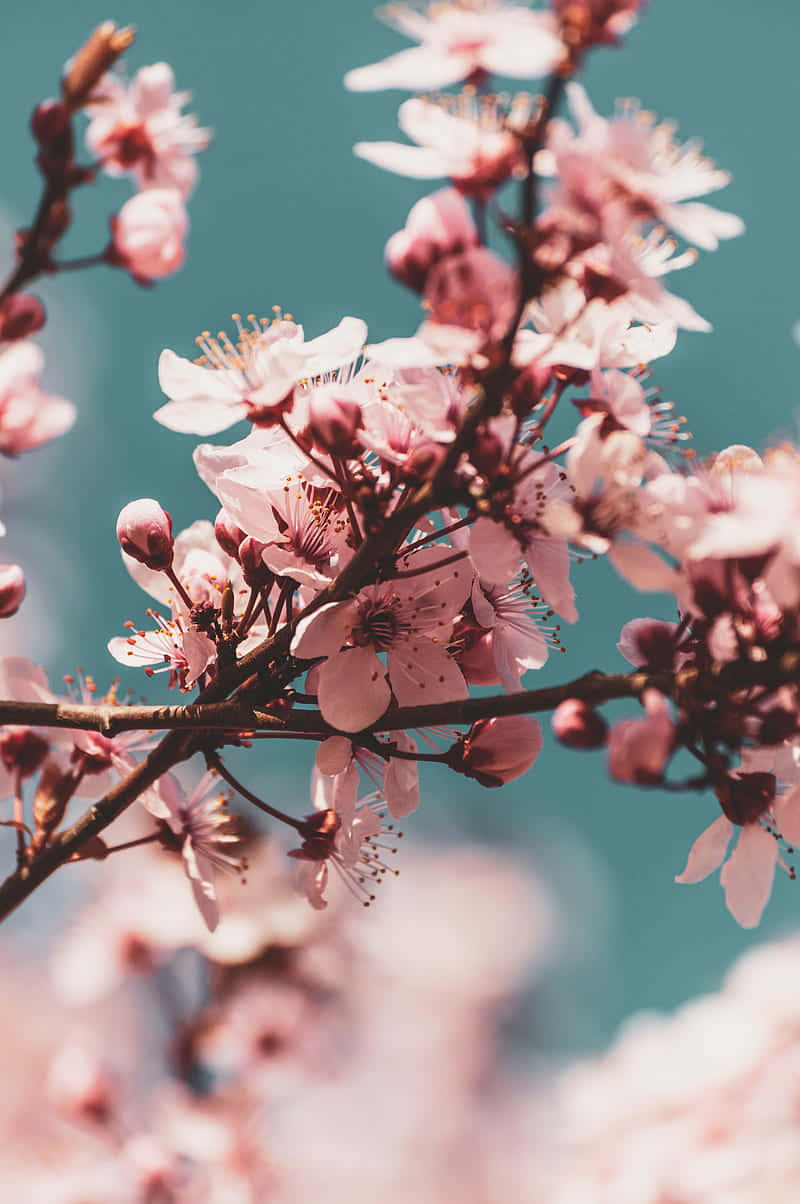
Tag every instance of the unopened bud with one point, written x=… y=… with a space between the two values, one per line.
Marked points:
x=86 y=68
x=229 y=536
x=496 y=751
x=22 y=750
x=333 y=422
x=487 y=453
x=256 y=573
x=54 y=791
x=144 y=532
x=579 y=725
x=439 y=224
x=12 y=589
x=745 y=797
x=21 y=315
x=49 y=121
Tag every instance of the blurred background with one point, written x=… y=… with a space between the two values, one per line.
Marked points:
x=284 y=215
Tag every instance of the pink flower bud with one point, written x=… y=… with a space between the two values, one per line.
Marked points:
x=638 y=749
x=22 y=750
x=12 y=589
x=579 y=725
x=148 y=234
x=333 y=422
x=144 y=532
x=496 y=751
x=440 y=224
x=256 y=573
x=476 y=656
x=20 y=315
x=229 y=536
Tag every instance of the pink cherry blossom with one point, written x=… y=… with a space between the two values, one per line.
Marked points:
x=518 y=642
x=497 y=548
x=29 y=417
x=458 y=40
x=410 y=620
x=638 y=749
x=437 y=225
x=148 y=234
x=629 y=168
x=139 y=128
x=465 y=138
x=200 y=825
x=255 y=376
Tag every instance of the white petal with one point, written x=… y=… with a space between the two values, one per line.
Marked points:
x=420 y=163
x=199 y=417
x=418 y=69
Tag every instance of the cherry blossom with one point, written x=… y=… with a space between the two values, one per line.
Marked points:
x=458 y=40
x=254 y=377
x=466 y=138
x=29 y=417
x=139 y=128
x=200 y=826
x=410 y=620
x=148 y=234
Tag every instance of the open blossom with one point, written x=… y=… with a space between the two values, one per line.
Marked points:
x=29 y=417
x=465 y=138
x=148 y=234
x=460 y=39
x=750 y=803
x=347 y=842
x=627 y=170
x=200 y=826
x=408 y=619
x=496 y=548
x=253 y=378
x=139 y=128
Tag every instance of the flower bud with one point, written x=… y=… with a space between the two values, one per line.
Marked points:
x=144 y=532
x=496 y=751
x=440 y=224
x=744 y=797
x=12 y=589
x=579 y=725
x=475 y=653
x=22 y=750
x=21 y=315
x=148 y=233
x=256 y=573
x=333 y=422
x=229 y=536
x=49 y=121
x=53 y=793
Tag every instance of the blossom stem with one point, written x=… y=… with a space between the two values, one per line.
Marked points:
x=132 y=844
x=187 y=601
x=213 y=759
x=429 y=568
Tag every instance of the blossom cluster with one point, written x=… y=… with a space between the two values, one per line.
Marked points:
x=400 y=521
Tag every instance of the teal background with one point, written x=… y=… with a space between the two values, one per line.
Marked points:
x=285 y=215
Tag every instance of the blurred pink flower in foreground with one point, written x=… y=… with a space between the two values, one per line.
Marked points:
x=29 y=417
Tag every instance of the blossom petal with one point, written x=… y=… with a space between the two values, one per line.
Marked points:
x=418 y=162
x=201 y=416
x=747 y=876
x=323 y=631
x=352 y=690
x=418 y=69
x=708 y=851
